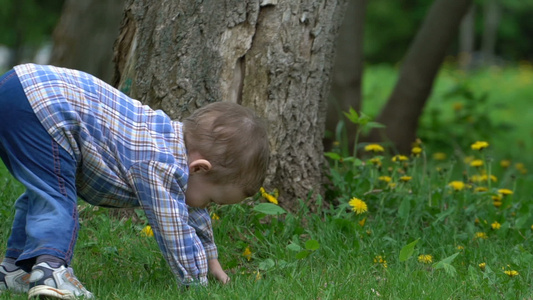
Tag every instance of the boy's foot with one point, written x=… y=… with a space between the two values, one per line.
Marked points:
x=16 y=281
x=55 y=283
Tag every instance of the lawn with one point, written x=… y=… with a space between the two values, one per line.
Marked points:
x=443 y=223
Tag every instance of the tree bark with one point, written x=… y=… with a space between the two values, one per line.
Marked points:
x=273 y=56
x=422 y=62
x=467 y=38
x=84 y=36
x=347 y=72
x=491 y=22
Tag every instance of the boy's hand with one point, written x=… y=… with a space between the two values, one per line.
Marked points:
x=216 y=270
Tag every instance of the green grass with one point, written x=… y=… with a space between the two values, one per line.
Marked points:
x=330 y=254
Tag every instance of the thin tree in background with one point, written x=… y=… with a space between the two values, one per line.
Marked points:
x=84 y=36
x=347 y=72
x=419 y=69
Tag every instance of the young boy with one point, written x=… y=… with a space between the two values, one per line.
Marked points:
x=65 y=134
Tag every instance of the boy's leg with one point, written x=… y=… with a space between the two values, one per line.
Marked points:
x=48 y=208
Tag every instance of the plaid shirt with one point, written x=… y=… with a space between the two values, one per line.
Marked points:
x=127 y=155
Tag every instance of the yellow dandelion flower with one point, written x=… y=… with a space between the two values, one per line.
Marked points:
x=374 y=148
x=247 y=253
x=505 y=192
x=378 y=259
x=362 y=222
x=479 y=145
x=457 y=106
x=497 y=204
x=460 y=247
x=215 y=217
x=521 y=168
x=425 y=258
x=475 y=178
x=467 y=160
x=375 y=161
x=267 y=196
x=498 y=197
x=385 y=178
x=399 y=157
x=496 y=225
x=480 y=189
x=505 y=163
x=392 y=185
x=481 y=235
x=531 y=227
x=406 y=178
x=511 y=273
x=358 y=205
x=476 y=163
x=457 y=185
x=485 y=177
x=439 y=156
x=416 y=151
x=147 y=231
x=258 y=275
x=482 y=266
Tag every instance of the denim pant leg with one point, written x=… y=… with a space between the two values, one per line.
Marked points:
x=46 y=217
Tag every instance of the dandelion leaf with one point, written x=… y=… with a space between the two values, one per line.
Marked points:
x=269 y=209
x=446 y=264
x=267 y=264
x=312 y=245
x=441 y=216
x=408 y=250
x=404 y=209
x=302 y=254
x=294 y=247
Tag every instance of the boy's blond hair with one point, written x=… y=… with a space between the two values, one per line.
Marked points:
x=234 y=140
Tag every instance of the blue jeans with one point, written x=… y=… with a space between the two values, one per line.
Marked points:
x=46 y=217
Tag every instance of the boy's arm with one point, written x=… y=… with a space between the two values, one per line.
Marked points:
x=200 y=220
x=163 y=201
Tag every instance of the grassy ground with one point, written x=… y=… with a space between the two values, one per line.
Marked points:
x=338 y=253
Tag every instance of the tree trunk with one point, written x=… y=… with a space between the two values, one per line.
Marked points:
x=467 y=32
x=347 y=72
x=422 y=62
x=491 y=22
x=273 y=56
x=84 y=36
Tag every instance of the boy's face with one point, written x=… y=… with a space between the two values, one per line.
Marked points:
x=200 y=192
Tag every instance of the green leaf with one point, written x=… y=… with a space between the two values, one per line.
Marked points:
x=521 y=222
x=267 y=264
x=269 y=209
x=446 y=264
x=375 y=125
x=333 y=155
x=444 y=214
x=312 y=245
x=404 y=209
x=408 y=250
x=352 y=115
x=294 y=247
x=302 y=254
x=449 y=269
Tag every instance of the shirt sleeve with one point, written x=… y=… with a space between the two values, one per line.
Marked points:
x=163 y=201
x=200 y=220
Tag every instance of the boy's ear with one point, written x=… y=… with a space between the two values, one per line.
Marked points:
x=199 y=166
